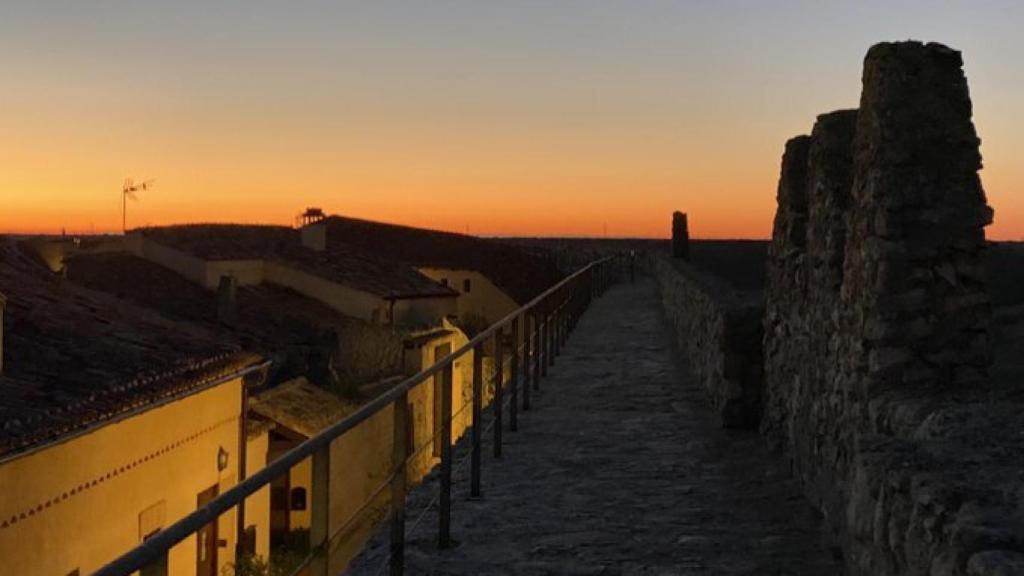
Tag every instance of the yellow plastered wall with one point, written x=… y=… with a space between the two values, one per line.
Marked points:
x=344 y=299
x=188 y=266
x=81 y=503
x=245 y=272
x=205 y=273
x=361 y=459
x=301 y=475
x=53 y=252
x=339 y=297
x=484 y=297
x=257 y=506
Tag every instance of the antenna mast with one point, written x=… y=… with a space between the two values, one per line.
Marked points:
x=128 y=190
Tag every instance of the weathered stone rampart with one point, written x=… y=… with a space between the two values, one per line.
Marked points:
x=719 y=329
x=877 y=342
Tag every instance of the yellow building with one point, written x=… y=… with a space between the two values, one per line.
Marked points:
x=382 y=273
x=478 y=296
x=491 y=278
x=346 y=279
x=117 y=423
x=360 y=459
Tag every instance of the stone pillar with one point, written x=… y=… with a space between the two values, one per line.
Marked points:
x=680 y=236
x=915 y=274
x=805 y=295
x=876 y=293
x=829 y=178
x=784 y=290
x=227 y=300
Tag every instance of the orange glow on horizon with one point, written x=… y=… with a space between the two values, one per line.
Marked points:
x=603 y=209
x=499 y=119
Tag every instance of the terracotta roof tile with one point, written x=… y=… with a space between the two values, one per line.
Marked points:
x=349 y=265
x=75 y=357
x=273 y=321
x=520 y=274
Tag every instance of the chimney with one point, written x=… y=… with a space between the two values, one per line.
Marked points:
x=314 y=236
x=3 y=304
x=680 y=236
x=227 y=300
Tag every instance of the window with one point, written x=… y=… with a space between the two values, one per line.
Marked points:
x=444 y=281
x=466 y=286
x=298 y=499
x=151 y=520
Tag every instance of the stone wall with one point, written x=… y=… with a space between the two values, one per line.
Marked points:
x=719 y=329
x=876 y=331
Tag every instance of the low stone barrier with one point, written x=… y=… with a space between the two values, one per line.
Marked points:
x=719 y=330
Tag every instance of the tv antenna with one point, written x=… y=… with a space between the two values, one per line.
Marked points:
x=128 y=190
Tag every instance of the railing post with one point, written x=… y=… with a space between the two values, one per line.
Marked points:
x=574 y=302
x=499 y=370
x=529 y=348
x=513 y=405
x=444 y=499
x=570 y=312
x=561 y=324
x=399 y=452
x=545 y=350
x=559 y=320
x=478 y=379
x=538 y=349
x=590 y=286
x=157 y=567
x=549 y=339
x=319 y=529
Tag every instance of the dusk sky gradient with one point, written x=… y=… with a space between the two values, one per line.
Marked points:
x=503 y=118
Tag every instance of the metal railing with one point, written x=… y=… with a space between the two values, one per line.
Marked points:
x=550 y=317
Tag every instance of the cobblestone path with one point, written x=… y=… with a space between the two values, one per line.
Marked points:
x=620 y=469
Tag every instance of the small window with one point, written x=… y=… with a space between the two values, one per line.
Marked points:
x=467 y=286
x=298 y=499
x=151 y=520
x=444 y=281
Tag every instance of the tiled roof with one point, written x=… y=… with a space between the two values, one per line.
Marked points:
x=76 y=358
x=301 y=406
x=275 y=322
x=348 y=265
x=520 y=274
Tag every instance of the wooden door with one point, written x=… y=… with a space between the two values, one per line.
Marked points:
x=206 y=538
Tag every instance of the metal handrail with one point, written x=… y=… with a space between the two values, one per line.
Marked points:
x=155 y=548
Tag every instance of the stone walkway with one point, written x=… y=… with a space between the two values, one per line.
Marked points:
x=620 y=469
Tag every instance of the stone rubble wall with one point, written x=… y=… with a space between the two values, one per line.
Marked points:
x=719 y=329
x=876 y=329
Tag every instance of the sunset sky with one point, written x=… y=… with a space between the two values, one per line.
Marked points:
x=504 y=118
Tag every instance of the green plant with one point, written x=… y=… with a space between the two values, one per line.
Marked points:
x=283 y=562
x=248 y=565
